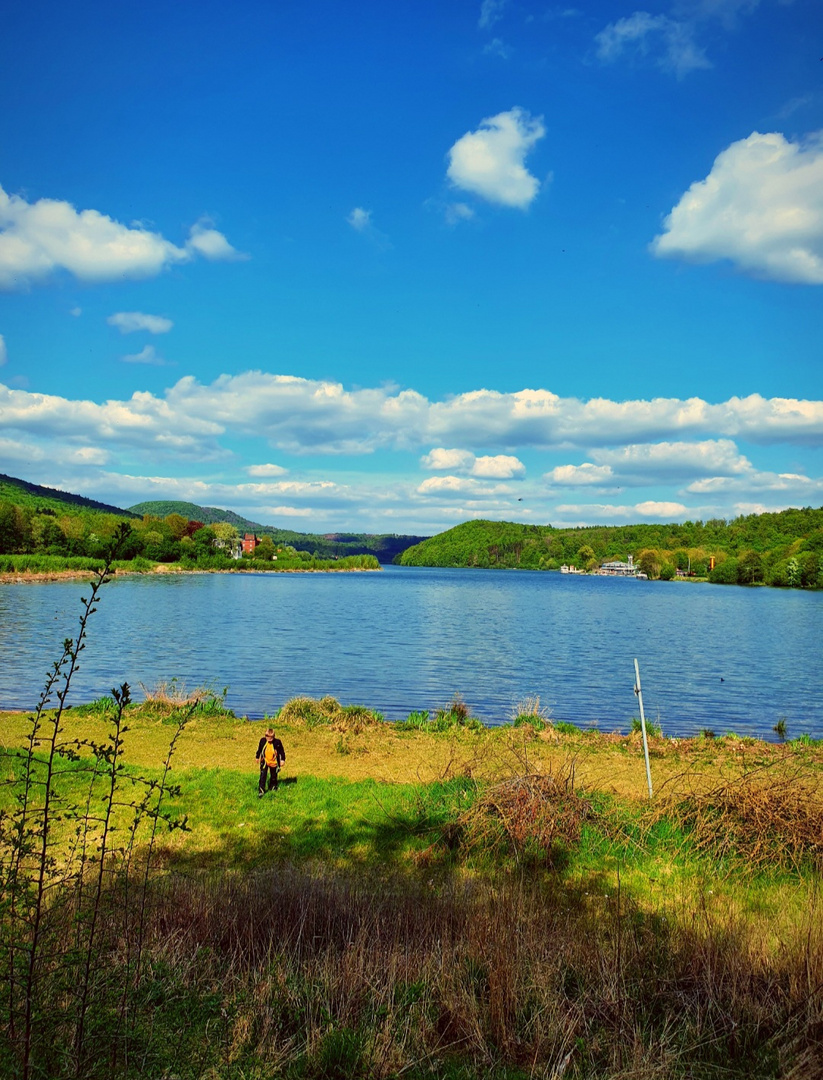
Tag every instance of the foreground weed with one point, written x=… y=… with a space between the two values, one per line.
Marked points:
x=56 y=897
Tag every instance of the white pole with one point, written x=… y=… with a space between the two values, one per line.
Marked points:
x=639 y=693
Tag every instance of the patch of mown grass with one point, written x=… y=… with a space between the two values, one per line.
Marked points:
x=337 y=822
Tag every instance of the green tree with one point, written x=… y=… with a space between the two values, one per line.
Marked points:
x=226 y=535
x=750 y=568
x=725 y=573
x=809 y=569
x=649 y=563
x=265 y=550
x=681 y=559
x=48 y=536
x=15 y=530
x=176 y=525
x=586 y=559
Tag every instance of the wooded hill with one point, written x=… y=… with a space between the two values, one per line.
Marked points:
x=47 y=523
x=384 y=546
x=40 y=498
x=784 y=548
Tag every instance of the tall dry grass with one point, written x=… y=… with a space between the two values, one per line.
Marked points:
x=321 y=974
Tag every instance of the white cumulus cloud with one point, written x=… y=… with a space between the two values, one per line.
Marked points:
x=498 y=467
x=638 y=465
x=629 y=443
x=653 y=508
x=490 y=467
x=38 y=239
x=796 y=486
x=440 y=458
x=211 y=244
x=761 y=207
x=667 y=461
x=129 y=322
x=86 y=455
x=288 y=511
x=584 y=512
x=580 y=475
x=446 y=486
x=490 y=162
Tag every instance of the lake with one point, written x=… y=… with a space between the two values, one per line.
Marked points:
x=724 y=658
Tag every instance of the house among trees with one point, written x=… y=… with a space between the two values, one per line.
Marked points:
x=250 y=542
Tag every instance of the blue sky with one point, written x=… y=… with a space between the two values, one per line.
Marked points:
x=387 y=267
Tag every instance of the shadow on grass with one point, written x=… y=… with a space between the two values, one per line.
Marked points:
x=362 y=824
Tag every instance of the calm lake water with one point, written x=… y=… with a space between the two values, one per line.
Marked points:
x=725 y=658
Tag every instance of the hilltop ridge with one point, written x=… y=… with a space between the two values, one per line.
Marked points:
x=35 y=495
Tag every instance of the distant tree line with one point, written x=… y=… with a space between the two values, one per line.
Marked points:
x=42 y=530
x=782 y=549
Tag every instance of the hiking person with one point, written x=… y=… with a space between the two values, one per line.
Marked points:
x=270 y=755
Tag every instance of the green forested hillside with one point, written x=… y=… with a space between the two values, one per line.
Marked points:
x=209 y=515
x=384 y=546
x=40 y=498
x=776 y=549
x=42 y=530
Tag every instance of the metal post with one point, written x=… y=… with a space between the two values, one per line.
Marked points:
x=639 y=693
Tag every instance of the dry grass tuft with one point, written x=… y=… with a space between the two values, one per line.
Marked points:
x=766 y=817
x=174 y=695
x=535 y=811
x=348 y=719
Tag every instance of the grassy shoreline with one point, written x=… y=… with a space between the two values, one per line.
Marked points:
x=26 y=577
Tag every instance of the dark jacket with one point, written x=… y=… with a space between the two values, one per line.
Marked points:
x=278 y=749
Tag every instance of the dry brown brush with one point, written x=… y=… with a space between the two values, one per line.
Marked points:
x=766 y=817
x=538 y=812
